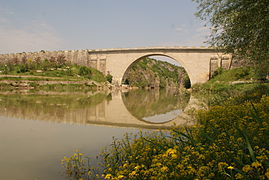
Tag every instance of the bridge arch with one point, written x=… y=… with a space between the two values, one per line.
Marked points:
x=195 y=60
x=136 y=59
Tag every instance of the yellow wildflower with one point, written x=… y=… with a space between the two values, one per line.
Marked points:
x=108 y=176
x=230 y=167
x=125 y=165
x=221 y=165
x=246 y=168
x=267 y=174
x=120 y=177
x=256 y=164
x=133 y=173
x=164 y=169
x=174 y=156
x=158 y=164
x=239 y=176
x=171 y=151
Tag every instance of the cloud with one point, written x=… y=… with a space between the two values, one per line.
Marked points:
x=179 y=29
x=35 y=36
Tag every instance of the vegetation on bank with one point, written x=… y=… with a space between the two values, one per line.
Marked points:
x=38 y=74
x=229 y=141
x=150 y=73
x=53 y=67
x=238 y=84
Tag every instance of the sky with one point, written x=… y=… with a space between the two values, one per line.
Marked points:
x=34 y=25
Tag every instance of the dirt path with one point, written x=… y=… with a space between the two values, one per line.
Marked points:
x=31 y=76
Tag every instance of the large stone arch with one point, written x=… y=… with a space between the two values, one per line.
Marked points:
x=196 y=64
x=158 y=54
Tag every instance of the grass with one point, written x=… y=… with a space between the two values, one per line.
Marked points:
x=220 y=89
x=242 y=73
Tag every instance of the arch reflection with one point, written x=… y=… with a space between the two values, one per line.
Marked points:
x=155 y=106
x=99 y=108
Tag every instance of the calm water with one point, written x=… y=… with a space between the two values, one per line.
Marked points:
x=38 y=130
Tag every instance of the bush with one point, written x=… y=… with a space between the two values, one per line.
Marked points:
x=109 y=78
x=217 y=72
x=84 y=71
x=186 y=82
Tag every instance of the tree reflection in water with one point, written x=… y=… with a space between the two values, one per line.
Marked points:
x=155 y=105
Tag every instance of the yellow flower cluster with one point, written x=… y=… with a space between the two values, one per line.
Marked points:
x=230 y=142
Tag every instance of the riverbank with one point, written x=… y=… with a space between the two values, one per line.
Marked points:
x=229 y=141
x=59 y=75
x=49 y=75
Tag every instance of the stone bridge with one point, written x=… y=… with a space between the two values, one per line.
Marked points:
x=199 y=62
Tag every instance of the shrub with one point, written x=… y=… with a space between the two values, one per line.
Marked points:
x=84 y=71
x=109 y=78
x=217 y=72
x=186 y=81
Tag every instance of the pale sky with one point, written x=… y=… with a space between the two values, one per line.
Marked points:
x=34 y=25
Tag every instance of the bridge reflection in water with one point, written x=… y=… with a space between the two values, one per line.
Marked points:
x=128 y=109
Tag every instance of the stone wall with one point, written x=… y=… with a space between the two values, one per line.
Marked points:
x=224 y=61
x=81 y=57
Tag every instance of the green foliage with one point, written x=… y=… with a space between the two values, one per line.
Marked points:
x=109 y=78
x=85 y=71
x=97 y=75
x=217 y=72
x=76 y=166
x=239 y=27
x=186 y=81
x=148 y=72
x=242 y=73
x=220 y=88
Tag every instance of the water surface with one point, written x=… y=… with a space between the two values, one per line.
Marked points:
x=38 y=130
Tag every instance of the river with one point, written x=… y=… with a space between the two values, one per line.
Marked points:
x=37 y=130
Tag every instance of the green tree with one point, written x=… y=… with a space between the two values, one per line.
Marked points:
x=240 y=27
